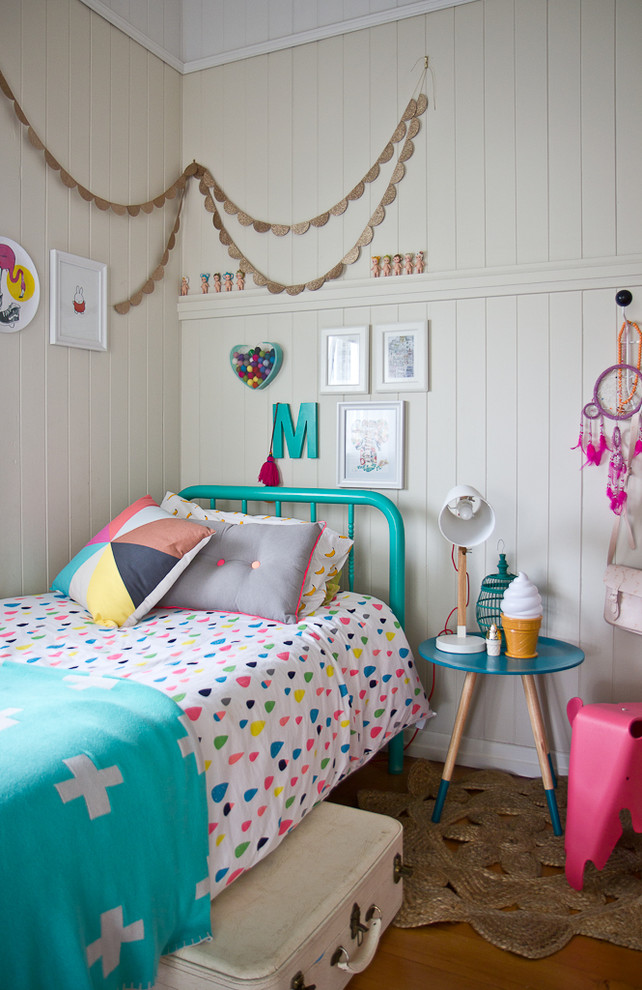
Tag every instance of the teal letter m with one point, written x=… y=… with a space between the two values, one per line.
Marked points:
x=283 y=427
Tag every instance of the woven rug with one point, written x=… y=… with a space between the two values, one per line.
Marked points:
x=494 y=862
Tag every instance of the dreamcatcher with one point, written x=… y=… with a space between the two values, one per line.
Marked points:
x=617 y=396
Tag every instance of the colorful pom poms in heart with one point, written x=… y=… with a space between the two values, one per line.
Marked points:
x=269 y=473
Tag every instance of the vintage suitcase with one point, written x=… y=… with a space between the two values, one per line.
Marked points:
x=309 y=915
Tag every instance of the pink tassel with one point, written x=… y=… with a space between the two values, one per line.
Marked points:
x=269 y=473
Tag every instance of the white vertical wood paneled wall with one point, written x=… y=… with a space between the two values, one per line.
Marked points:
x=83 y=432
x=525 y=194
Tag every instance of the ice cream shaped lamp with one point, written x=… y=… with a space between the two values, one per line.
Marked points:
x=521 y=617
x=466 y=519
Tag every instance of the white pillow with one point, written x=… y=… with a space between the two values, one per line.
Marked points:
x=330 y=553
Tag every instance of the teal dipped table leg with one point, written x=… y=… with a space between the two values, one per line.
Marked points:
x=543 y=754
x=455 y=739
x=550 y=763
x=554 y=811
x=395 y=754
x=441 y=797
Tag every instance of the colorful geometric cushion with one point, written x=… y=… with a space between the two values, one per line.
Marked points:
x=330 y=553
x=124 y=570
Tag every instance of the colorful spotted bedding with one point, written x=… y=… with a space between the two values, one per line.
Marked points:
x=282 y=712
x=88 y=835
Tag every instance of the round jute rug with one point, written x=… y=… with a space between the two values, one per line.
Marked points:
x=494 y=862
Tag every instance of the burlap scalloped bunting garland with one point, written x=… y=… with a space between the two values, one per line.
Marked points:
x=159 y=272
x=407 y=128
x=412 y=112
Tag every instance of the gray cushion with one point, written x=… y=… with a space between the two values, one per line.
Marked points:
x=258 y=570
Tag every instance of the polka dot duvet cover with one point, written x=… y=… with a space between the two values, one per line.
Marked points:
x=282 y=712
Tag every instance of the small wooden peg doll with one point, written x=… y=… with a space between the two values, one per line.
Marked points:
x=419 y=266
x=396 y=264
x=184 y=285
x=374 y=267
x=217 y=281
x=386 y=266
x=407 y=264
x=240 y=279
x=227 y=282
x=205 y=282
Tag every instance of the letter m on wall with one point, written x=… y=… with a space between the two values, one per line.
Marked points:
x=284 y=429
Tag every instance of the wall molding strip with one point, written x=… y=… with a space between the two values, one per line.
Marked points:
x=593 y=273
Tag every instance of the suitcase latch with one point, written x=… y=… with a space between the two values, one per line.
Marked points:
x=298 y=983
x=357 y=929
x=400 y=870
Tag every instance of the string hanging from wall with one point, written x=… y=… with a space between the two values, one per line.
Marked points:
x=407 y=127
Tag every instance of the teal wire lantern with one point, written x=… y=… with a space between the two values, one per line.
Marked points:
x=491 y=593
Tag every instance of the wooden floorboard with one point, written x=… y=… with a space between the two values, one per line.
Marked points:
x=454 y=957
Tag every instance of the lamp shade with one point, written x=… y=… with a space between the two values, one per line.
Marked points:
x=466 y=518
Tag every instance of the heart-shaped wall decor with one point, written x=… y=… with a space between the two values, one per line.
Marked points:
x=256 y=366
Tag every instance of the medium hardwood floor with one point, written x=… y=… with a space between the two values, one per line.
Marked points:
x=454 y=957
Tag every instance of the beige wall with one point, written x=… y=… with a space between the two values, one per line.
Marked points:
x=524 y=193
x=83 y=433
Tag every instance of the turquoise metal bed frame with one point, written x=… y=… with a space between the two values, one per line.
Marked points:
x=313 y=497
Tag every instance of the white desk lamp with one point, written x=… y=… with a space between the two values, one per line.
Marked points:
x=466 y=519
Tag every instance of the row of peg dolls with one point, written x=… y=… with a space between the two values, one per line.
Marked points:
x=220 y=283
x=397 y=264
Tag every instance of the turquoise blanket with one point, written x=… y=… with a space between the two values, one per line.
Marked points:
x=103 y=831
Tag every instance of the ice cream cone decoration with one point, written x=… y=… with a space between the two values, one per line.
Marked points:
x=521 y=617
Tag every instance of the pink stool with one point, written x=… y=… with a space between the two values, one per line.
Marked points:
x=604 y=776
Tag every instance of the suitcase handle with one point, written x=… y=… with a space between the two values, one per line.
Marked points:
x=366 y=950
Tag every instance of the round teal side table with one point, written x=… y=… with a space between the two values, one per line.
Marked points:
x=553 y=655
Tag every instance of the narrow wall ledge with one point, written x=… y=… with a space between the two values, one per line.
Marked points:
x=554 y=276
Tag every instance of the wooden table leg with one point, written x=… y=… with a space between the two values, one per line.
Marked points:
x=541 y=744
x=455 y=739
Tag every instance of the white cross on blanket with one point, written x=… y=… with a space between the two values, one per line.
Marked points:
x=90 y=783
x=5 y=717
x=112 y=935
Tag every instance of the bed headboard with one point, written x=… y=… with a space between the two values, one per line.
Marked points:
x=349 y=497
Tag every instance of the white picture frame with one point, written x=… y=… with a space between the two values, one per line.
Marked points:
x=371 y=444
x=78 y=301
x=401 y=357
x=344 y=360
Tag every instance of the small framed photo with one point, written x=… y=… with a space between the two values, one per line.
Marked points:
x=370 y=444
x=344 y=360
x=401 y=357
x=78 y=301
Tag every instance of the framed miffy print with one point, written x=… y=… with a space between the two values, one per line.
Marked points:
x=78 y=301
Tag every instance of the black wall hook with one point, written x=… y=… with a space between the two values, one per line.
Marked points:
x=623 y=298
